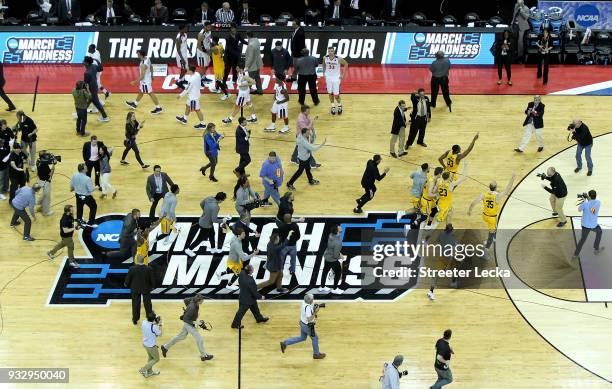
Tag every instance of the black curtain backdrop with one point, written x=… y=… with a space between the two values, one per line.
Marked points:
x=458 y=8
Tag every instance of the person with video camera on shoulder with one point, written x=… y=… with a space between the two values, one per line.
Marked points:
x=308 y=319
x=151 y=330
x=391 y=374
x=45 y=167
x=246 y=199
x=189 y=317
x=582 y=135
x=558 y=193
x=589 y=206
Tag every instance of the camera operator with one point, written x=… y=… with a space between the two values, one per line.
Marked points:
x=582 y=135
x=67 y=229
x=45 y=167
x=151 y=330
x=189 y=316
x=308 y=318
x=18 y=174
x=558 y=192
x=28 y=135
x=589 y=207
x=246 y=199
x=391 y=374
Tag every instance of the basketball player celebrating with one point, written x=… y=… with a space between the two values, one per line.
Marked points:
x=203 y=49
x=427 y=204
x=182 y=54
x=444 y=189
x=331 y=70
x=490 y=203
x=146 y=84
x=219 y=67
x=244 y=83
x=194 y=83
x=95 y=55
x=451 y=158
x=280 y=107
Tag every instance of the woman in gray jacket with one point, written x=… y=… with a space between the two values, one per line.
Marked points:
x=105 y=172
x=243 y=196
x=333 y=258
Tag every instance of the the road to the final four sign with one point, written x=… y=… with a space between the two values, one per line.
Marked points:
x=100 y=280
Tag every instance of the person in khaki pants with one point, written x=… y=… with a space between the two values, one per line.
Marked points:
x=398 y=130
x=558 y=193
x=66 y=232
x=151 y=330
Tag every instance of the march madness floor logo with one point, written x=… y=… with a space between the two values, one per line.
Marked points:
x=100 y=280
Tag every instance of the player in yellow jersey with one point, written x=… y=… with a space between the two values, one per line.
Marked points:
x=219 y=66
x=444 y=191
x=490 y=202
x=451 y=159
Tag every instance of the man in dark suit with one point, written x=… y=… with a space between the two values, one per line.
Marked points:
x=203 y=14
x=68 y=11
x=232 y=53
x=141 y=281
x=127 y=241
x=420 y=116
x=109 y=12
x=7 y=100
x=533 y=124
x=159 y=12
x=243 y=135
x=335 y=13
x=298 y=44
x=392 y=9
x=248 y=298
x=247 y=15
x=157 y=186
x=91 y=157
x=398 y=129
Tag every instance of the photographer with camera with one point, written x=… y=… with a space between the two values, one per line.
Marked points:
x=246 y=199
x=67 y=229
x=589 y=206
x=308 y=318
x=533 y=124
x=248 y=298
x=151 y=330
x=391 y=374
x=45 y=167
x=189 y=316
x=558 y=192
x=582 y=135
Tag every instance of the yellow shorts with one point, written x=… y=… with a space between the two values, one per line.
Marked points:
x=219 y=72
x=235 y=267
x=443 y=212
x=491 y=222
x=426 y=206
x=166 y=225
x=415 y=202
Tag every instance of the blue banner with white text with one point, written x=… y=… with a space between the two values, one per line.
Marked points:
x=44 y=47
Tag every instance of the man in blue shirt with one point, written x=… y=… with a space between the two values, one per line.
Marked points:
x=25 y=198
x=271 y=174
x=590 y=213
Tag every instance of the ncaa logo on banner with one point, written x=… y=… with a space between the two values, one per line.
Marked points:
x=586 y=15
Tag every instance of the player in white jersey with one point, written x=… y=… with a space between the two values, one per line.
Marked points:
x=203 y=50
x=243 y=99
x=280 y=107
x=145 y=81
x=331 y=70
x=194 y=83
x=95 y=55
x=182 y=54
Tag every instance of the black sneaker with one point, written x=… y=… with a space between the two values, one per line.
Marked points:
x=227 y=120
x=131 y=104
x=164 y=351
x=28 y=239
x=357 y=210
x=203 y=171
x=333 y=110
x=145 y=166
x=577 y=169
x=589 y=173
x=290 y=187
x=106 y=95
x=263 y=319
x=200 y=126
x=213 y=179
x=15 y=224
x=339 y=110
x=207 y=357
x=314 y=182
x=266 y=204
x=252 y=120
x=157 y=111
x=181 y=120
x=124 y=162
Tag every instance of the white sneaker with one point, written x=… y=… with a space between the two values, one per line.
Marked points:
x=74 y=115
x=189 y=253
x=167 y=239
x=337 y=291
x=224 y=97
x=284 y=130
x=92 y=110
x=232 y=287
x=431 y=296
x=2 y=197
x=324 y=290
x=104 y=120
x=400 y=214
x=270 y=128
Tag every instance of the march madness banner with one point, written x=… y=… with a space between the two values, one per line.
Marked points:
x=467 y=48
x=44 y=47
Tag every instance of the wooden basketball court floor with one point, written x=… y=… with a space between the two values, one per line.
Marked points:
x=494 y=346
